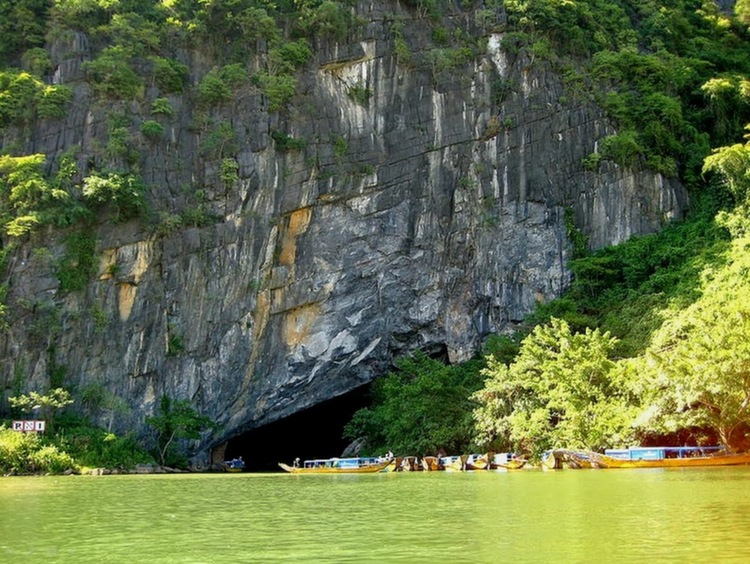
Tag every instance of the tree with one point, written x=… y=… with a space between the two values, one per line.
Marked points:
x=732 y=163
x=48 y=403
x=561 y=391
x=22 y=25
x=419 y=408
x=97 y=398
x=176 y=419
x=699 y=362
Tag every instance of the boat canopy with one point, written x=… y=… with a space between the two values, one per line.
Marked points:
x=661 y=452
x=341 y=462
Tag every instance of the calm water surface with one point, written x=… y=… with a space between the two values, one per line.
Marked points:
x=620 y=515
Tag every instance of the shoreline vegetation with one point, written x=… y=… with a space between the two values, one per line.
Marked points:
x=74 y=445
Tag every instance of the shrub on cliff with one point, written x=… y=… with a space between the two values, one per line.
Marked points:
x=22 y=95
x=22 y=25
x=169 y=75
x=327 y=18
x=27 y=197
x=279 y=89
x=121 y=192
x=289 y=56
x=112 y=76
x=152 y=129
x=219 y=84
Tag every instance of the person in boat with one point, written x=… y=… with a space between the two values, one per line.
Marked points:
x=295 y=464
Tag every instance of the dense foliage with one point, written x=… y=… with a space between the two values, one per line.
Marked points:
x=74 y=446
x=175 y=420
x=562 y=389
x=419 y=408
x=73 y=443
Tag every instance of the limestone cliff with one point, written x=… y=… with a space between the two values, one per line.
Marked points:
x=426 y=215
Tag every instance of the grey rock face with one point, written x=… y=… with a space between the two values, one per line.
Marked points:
x=427 y=217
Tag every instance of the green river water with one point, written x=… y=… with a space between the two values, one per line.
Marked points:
x=695 y=515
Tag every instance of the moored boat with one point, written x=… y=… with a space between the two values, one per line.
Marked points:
x=234 y=465
x=648 y=457
x=431 y=464
x=506 y=461
x=668 y=457
x=411 y=464
x=453 y=463
x=338 y=466
x=478 y=462
x=394 y=465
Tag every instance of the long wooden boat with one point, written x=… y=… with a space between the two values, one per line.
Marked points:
x=338 y=466
x=506 y=461
x=454 y=463
x=478 y=462
x=394 y=465
x=655 y=457
x=411 y=464
x=515 y=464
x=431 y=464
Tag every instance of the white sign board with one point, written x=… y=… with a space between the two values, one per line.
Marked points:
x=29 y=426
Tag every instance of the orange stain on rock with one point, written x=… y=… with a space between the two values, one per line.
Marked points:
x=298 y=324
x=298 y=222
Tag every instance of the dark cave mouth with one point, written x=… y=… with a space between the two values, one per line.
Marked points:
x=316 y=432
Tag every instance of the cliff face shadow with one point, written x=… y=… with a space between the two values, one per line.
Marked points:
x=313 y=433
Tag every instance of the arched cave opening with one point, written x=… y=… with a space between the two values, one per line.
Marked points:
x=316 y=432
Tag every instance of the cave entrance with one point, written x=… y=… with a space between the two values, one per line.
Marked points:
x=316 y=432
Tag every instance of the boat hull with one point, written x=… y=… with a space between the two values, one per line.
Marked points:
x=394 y=465
x=371 y=469
x=603 y=461
x=458 y=465
x=587 y=459
x=431 y=464
x=480 y=463
x=515 y=464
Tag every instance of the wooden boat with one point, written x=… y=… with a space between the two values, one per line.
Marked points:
x=650 y=457
x=431 y=464
x=411 y=464
x=478 y=462
x=338 y=466
x=454 y=463
x=560 y=458
x=234 y=465
x=394 y=465
x=506 y=461
x=668 y=457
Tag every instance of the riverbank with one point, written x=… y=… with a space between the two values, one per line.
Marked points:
x=138 y=469
x=74 y=447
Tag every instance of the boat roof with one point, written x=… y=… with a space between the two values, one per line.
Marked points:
x=355 y=459
x=671 y=448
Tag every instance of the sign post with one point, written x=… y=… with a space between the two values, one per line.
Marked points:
x=29 y=426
